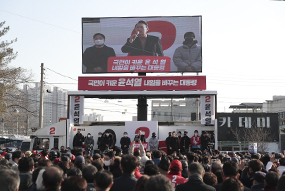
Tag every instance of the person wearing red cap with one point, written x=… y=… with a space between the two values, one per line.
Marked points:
x=3 y=154
x=175 y=175
x=56 y=161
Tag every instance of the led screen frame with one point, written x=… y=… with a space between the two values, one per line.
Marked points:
x=169 y=29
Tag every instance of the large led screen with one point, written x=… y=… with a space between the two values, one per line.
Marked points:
x=146 y=44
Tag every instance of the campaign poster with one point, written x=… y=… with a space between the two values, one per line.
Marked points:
x=76 y=114
x=207 y=109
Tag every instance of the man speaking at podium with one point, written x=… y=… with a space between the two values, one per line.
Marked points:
x=141 y=43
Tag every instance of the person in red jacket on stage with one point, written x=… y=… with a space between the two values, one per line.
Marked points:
x=196 y=141
x=175 y=175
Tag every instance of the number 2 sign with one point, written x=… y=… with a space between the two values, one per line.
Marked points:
x=52 y=131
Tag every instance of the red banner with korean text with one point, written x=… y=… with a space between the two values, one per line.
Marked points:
x=139 y=64
x=137 y=145
x=142 y=83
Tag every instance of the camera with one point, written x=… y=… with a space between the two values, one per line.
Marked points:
x=90 y=147
x=137 y=139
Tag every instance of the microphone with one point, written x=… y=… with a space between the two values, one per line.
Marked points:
x=137 y=33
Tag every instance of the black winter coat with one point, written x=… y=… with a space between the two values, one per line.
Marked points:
x=106 y=140
x=125 y=141
x=77 y=140
x=126 y=182
x=94 y=57
x=195 y=182
x=174 y=143
x=185 y=141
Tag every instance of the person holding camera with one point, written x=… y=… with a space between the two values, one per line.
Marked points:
x=89 y=143
x=107 y=141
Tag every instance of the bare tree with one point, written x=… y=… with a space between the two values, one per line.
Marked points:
x=11 y=78
x=259 y=135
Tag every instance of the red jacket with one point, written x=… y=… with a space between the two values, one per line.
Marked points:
x=198 y=140
x=176 y=178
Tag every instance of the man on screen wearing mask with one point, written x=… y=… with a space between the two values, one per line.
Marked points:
x=141 y=43
x=95 y=58
x=125 y=143
x=188 y=56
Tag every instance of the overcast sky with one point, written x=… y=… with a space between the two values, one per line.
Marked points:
x=243 y=41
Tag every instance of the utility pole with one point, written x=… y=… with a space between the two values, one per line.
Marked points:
x=41 y=97
x=28 y=124
x=197 y=109
x=2 y=126
x=142 y=104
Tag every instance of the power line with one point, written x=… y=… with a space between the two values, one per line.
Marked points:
x=40 y=21
x=61 y=74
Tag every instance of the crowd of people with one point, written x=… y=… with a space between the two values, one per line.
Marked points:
x=141 y=170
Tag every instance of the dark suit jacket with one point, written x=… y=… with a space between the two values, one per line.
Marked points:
x=94 y=57
x=142 y=138
x=194 y=183
x=77 y=140
x=125 y=141
x=126 y=182
x=174 y=143
x=153 y=47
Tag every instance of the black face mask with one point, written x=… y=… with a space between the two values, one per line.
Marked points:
x=188 y=41
x=185 y=134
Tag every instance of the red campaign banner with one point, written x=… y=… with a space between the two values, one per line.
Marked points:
x=142 y=83
x=137 y=145
x=139 y=64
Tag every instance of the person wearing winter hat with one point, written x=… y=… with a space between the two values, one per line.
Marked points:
x=8 y=156
x=56 y=161
x=175 y=173
x=28 y=154
x=79 y=162
x=258 y=181
x=79 y=159
x=188 y=56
